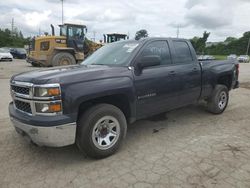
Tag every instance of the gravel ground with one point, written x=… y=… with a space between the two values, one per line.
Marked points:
x=183 y=148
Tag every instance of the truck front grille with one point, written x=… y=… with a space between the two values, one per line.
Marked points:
x=20 y=90
x=23 y=106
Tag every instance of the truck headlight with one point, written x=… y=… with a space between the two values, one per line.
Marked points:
x=46 y=92
x=54 y=107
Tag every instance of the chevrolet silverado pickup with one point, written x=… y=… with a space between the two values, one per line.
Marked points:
x=90 y=104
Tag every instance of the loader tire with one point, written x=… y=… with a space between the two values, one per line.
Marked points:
x=63 y=58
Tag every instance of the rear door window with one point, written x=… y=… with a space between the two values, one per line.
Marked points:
x=182 y=52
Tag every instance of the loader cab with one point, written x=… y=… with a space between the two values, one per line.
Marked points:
x=75 y=35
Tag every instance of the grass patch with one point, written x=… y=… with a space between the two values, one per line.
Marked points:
x=220 y=57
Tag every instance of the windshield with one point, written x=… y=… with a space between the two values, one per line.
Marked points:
x=22 y=50
x=117 y=53
x=3 y=50
x=75 y=32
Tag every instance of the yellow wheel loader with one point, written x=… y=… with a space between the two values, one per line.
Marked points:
x=67 y=49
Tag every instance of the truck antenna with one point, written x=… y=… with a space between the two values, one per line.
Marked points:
x=178 y=31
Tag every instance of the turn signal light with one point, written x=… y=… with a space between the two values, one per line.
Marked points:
x=55 y=107
x=54 y=91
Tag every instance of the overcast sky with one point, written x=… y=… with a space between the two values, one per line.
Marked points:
x=159 y=17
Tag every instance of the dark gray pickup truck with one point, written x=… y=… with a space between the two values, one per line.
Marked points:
x=91 y=104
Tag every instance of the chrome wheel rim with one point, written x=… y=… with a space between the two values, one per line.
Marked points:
x=222 y=100
x=106 y=132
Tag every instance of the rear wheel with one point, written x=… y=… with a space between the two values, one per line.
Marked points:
x=34 y=64
x=101 y=130
x=218 y=101
x=63 y=58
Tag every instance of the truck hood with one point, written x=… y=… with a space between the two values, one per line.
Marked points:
x=70 y=74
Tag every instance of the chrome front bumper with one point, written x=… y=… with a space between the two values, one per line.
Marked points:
x=55 y=136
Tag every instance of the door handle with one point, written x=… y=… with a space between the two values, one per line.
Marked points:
x=195 y=70
x=172 y=73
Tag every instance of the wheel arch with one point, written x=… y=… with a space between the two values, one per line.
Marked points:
x=68 y=50
x=225 y=80
x=121 y=101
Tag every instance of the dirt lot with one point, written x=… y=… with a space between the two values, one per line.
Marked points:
x=185 y=148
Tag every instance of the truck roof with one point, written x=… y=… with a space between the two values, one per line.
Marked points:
x=162 y=38
x=143 y=40
x=71 y=24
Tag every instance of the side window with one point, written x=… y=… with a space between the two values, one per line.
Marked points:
x=159 y=48
x=75 y=32
x=79 y=33
x=63 y=31
x=44 y=46
x=70 y=30
x=183 y=53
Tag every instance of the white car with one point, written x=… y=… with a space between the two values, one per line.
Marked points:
x=232 y=56
x=206 y=57
x=243 y=59
x=5 y=55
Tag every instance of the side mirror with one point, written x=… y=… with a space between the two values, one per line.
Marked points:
x=149 y=61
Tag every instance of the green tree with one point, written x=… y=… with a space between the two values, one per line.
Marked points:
x=199 y=43
x=143 y=33
x=21 y=34
x=7 y=39
x=230 y=39
x=231 y=46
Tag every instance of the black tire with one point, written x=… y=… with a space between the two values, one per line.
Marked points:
x=218 y=101
x=35 y=64
x=63 y=58
x=86 y=127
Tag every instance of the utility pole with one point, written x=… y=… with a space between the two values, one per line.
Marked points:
x=248 y=46
x=62 y=11
x=178 y=31
x=94 y=33
x=12 y=27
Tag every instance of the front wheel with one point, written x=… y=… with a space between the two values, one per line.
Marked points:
x=101 y=130
x=218 y=101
